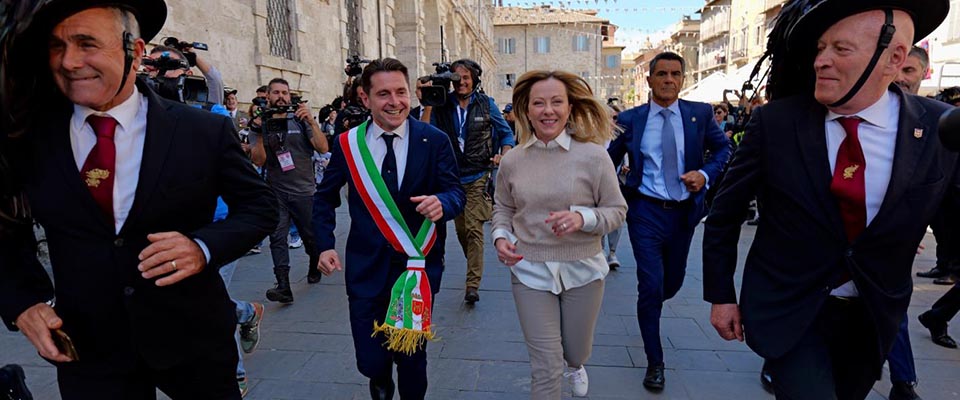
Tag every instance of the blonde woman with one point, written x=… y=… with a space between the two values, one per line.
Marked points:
x=557 y=195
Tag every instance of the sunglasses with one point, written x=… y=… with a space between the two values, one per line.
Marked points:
x=718 y=112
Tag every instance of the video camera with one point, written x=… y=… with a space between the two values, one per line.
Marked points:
x=436 y=94
x=355 y=65
x=184 y=88
x=183 y=46
x=278 y=125
x=352 y=116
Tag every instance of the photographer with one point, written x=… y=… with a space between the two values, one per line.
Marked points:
x=353 y=112
x=283 y=144
x=480 y=136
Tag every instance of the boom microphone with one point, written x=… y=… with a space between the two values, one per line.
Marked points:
x=949 y=128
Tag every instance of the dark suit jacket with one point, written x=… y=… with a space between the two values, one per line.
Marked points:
x=800 y=244
x=700 y=133
x=190 y=157
x=431 y=170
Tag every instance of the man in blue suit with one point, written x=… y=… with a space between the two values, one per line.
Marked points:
x=419 y=169
x=666 y=141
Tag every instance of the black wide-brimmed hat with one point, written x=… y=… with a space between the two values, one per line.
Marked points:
x=818 y=16
x=150 y=14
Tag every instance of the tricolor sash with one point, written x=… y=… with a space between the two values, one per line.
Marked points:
x=407 y=323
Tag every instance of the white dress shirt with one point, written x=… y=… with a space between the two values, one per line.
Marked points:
x=653 y=183
x=558 y=276
x=878 y=139
x=131 y=116
x=378 y=147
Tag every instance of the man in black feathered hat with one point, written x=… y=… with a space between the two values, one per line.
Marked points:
x=125 y=185
x=848 y=172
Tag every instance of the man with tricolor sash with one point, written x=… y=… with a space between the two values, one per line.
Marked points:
x=403 y=188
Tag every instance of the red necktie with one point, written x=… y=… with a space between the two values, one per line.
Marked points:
x=849 y=184
x=99 y=168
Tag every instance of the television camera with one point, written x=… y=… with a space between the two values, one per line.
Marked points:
x=184 y=88
x=440 y=82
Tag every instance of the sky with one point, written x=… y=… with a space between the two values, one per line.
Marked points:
x=650 y=20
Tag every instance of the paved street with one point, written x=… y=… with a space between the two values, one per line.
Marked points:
x=307 y=352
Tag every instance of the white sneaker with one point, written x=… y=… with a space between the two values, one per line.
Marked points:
x=612 y=261
x=296 y=244
x=578 y=380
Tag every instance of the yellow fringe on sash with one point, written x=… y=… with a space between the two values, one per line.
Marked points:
x=406 y=341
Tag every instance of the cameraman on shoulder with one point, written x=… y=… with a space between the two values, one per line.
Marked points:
x=210 y=73
x=283 y=144
x=480 y=136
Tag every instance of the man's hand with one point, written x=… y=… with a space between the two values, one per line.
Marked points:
x=303 y=112
x=171 y=253
x=725 y=318
x=496 y=159
x=329 y=262
x=694 y=181
x=36 y=323
x=506 y=252
x=565 y=222
x=429 y=206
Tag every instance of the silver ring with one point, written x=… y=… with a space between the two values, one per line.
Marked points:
x=563 y=226
x=174 y=264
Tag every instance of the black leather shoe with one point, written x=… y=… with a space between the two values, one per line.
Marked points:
x=654 y=379
x=382 y=390
x=950 y=279
x=471 y=296
x=903 y=391
x=766 y=380
x=935 y=272
x=938 y=331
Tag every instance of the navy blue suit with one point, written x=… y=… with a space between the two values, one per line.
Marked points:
x=371 y=265
x=661 y=234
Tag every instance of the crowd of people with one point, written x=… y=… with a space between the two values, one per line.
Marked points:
x=847 y=170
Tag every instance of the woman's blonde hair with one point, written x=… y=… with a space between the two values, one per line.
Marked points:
x=589 y=119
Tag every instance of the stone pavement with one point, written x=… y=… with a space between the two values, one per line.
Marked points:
x=307 y=351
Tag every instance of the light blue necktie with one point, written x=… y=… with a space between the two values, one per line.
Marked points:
x=670 y=166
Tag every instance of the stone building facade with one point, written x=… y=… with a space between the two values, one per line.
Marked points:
x=546 y=38
x=307 y=41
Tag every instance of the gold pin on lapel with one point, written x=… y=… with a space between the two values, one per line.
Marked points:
x=918 y=133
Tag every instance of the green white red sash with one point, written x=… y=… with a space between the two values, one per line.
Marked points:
x=407 y=323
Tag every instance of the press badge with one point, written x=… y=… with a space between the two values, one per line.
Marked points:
x=286 y=161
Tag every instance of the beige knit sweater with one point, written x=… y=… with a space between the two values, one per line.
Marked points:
x=536 y=179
